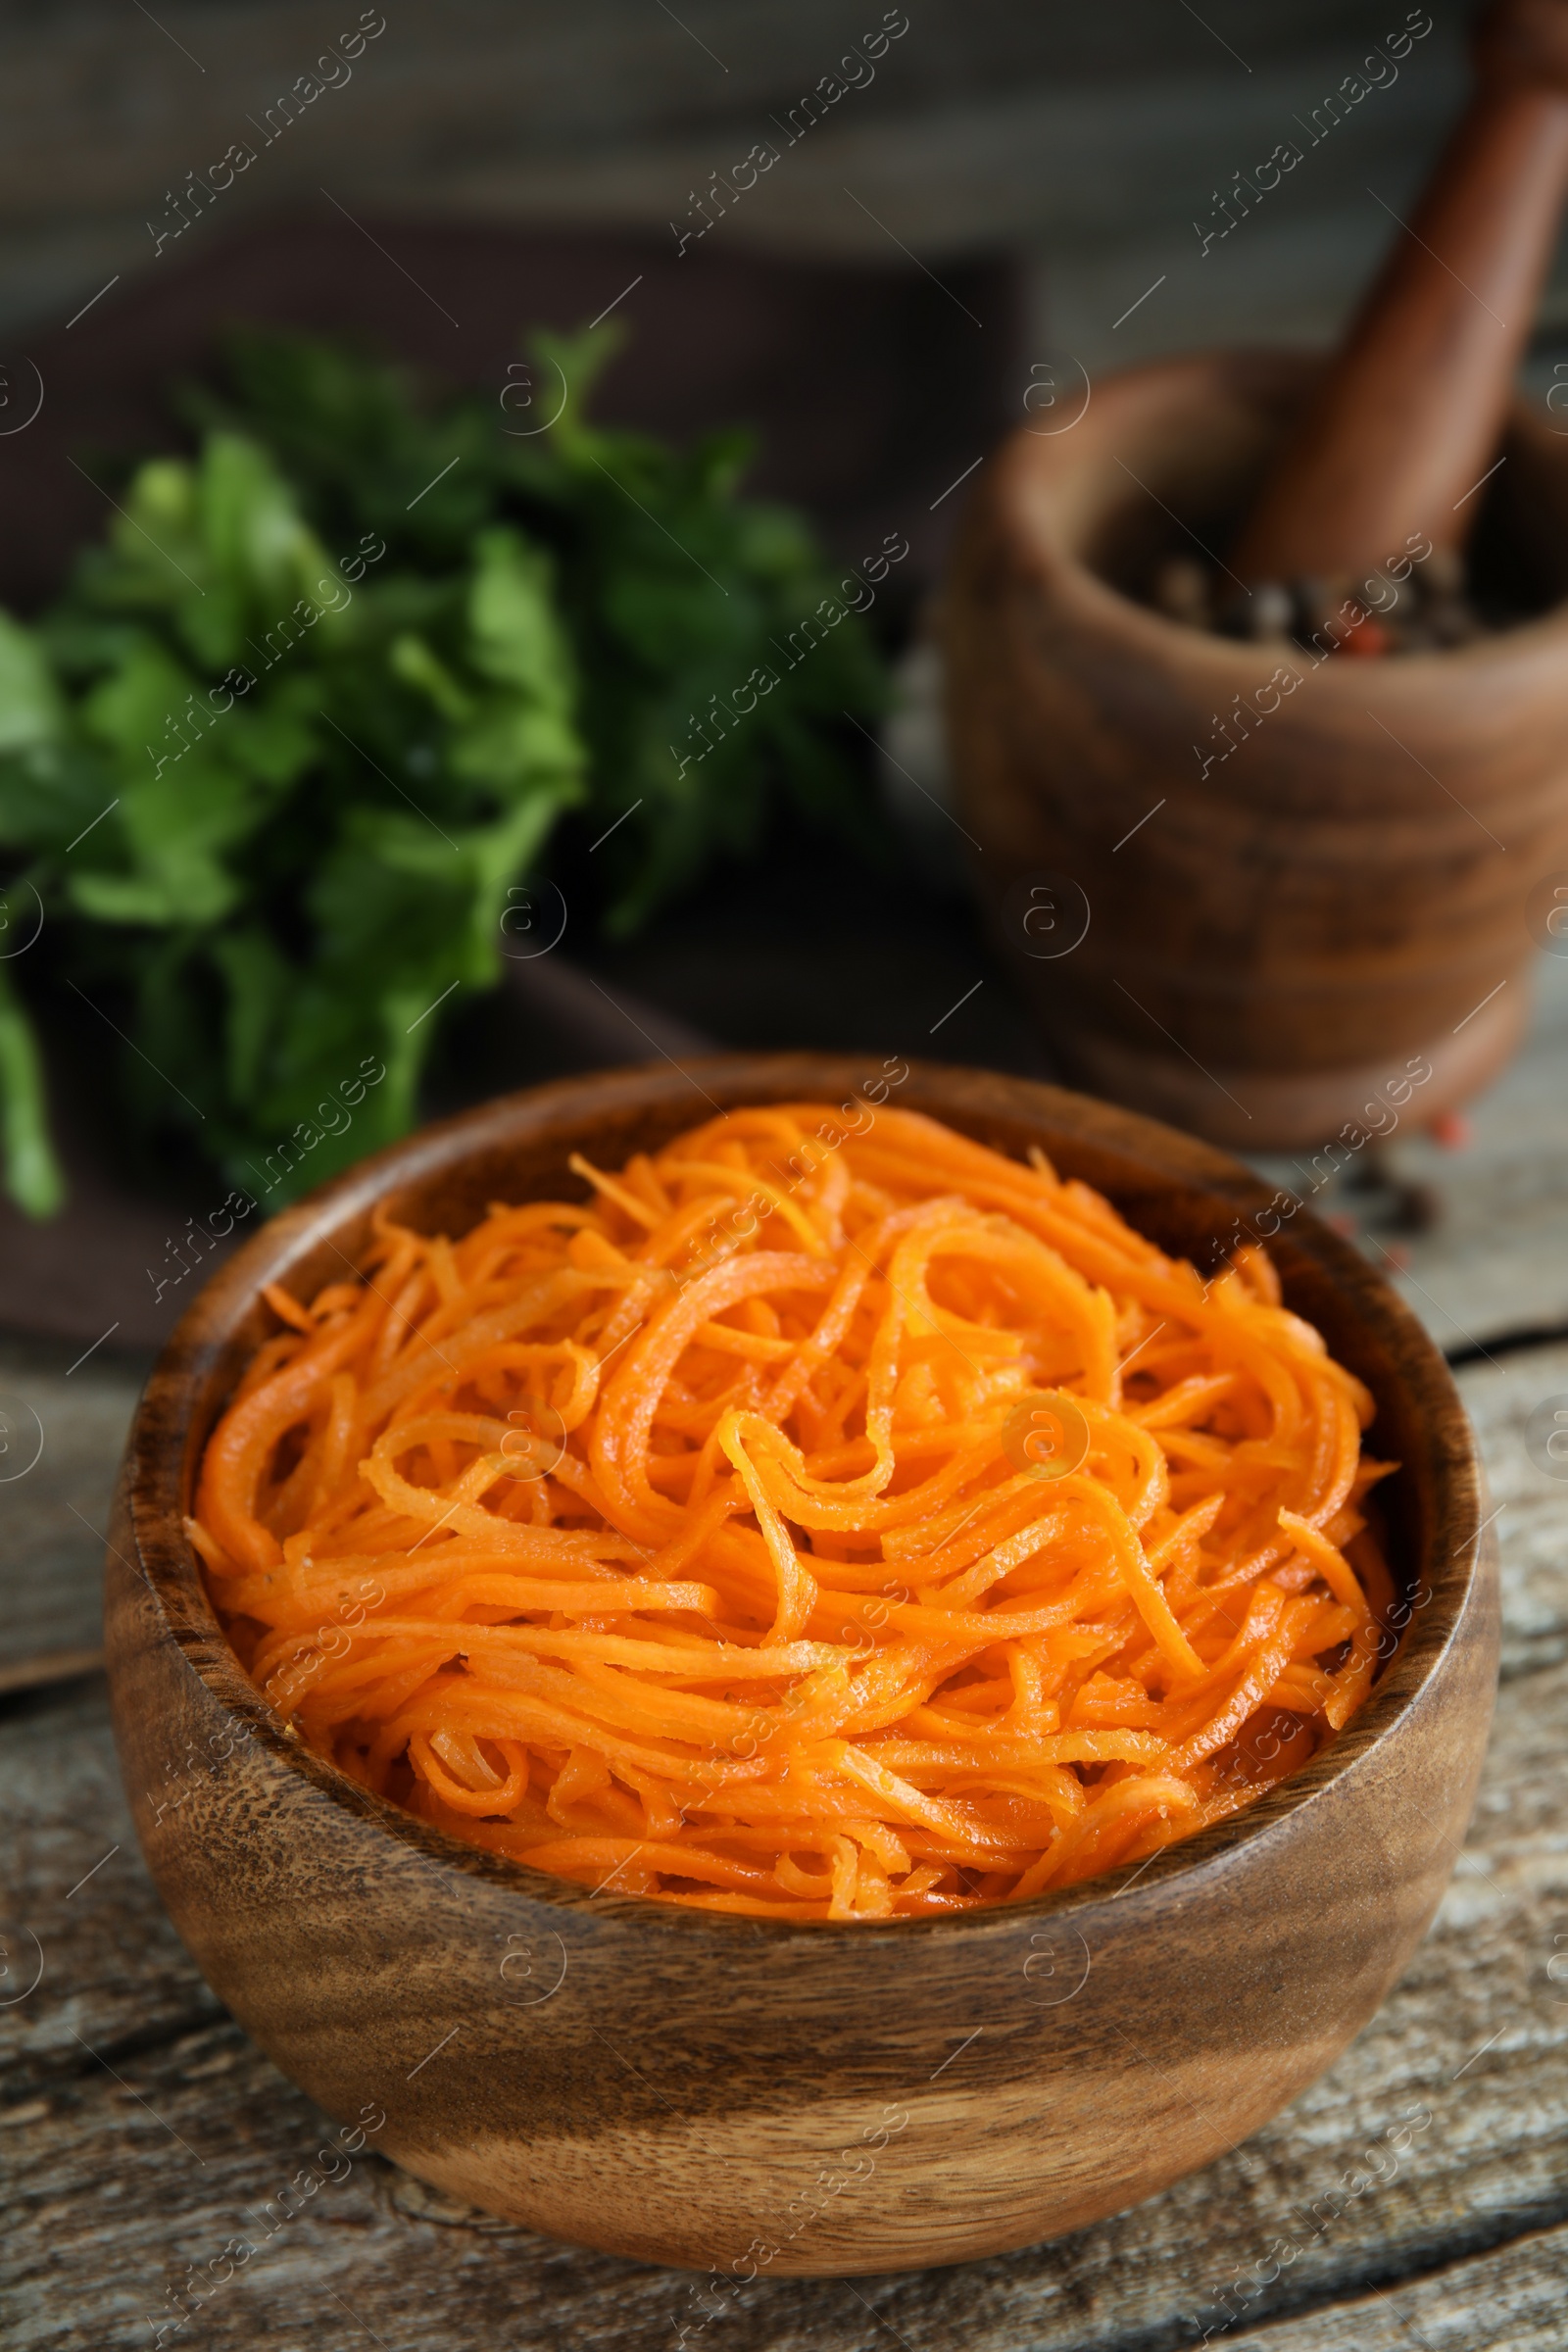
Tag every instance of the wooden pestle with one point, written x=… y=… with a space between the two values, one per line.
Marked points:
x=1407 y=419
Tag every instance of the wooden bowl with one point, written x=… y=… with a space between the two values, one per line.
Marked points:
x=711 y=2091
x=1344 y=886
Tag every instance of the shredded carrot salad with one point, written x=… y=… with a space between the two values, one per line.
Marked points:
x=828 y=1519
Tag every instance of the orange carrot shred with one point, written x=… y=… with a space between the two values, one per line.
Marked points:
x=819 y=1521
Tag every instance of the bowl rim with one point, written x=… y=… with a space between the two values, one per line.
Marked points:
x=159 y=1444
x=1028 y=482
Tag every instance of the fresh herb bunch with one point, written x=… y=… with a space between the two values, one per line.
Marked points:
x=273 y=762
x=674 y=589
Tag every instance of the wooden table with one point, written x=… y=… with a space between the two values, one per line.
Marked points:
x=142 y=2131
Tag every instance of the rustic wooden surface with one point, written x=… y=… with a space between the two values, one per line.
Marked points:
x=52 y=1517
x=141 y=2131
x=1090 y=138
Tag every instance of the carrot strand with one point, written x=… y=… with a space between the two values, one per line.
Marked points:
x=698 y=1540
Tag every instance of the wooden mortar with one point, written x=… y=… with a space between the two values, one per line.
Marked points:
x=1286 y=910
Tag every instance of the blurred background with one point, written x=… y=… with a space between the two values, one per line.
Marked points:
x=1079 y=144
x=969 y=212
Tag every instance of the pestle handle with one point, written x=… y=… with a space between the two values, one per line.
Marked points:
x=1408 y=418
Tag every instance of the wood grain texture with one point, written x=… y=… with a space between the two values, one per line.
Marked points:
x=107 y=2210
x=1513 y=2298
x=1531 y=1508
x=1300 y=874
x=987 y=128
x=665 y=2082
x=54 y=1511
